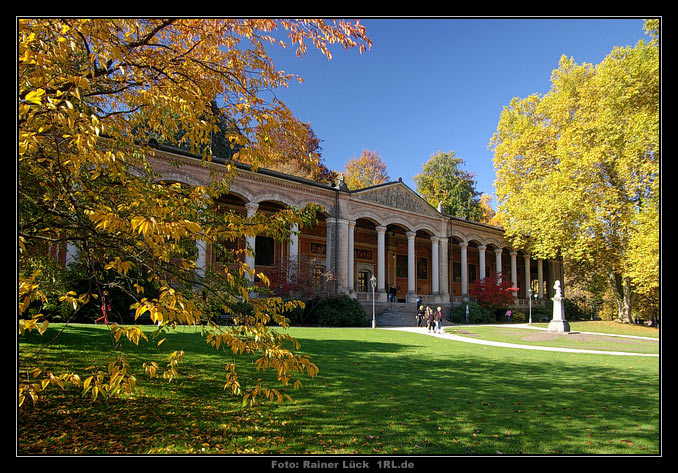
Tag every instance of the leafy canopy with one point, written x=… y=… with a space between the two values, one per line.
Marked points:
x=578 y=168
x=366 y=170
x=91 y=94
x=443 y=182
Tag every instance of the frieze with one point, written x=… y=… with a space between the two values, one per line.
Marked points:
x=397 y=196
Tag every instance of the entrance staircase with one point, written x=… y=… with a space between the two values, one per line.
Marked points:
x=393 y=314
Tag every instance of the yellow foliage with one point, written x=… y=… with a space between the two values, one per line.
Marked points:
x=91 y=93
x=578 y=168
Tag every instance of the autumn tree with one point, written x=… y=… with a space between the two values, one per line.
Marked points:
x=302 y=159
x=443 y=182
x=578 y=169
x=489 y=216
x=366 y=170
x=92 y=95
x=493 y=292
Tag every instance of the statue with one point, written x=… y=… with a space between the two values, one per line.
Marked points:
x=558 y=323
x=556 y=286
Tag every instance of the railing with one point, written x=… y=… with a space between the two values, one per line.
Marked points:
x=519 y=303
x=525 y=303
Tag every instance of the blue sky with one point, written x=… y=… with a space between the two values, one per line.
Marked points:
x=430 y=85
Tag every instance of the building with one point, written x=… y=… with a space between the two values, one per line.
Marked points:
x=387 y=231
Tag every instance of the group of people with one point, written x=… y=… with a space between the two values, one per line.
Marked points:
x=432 y=318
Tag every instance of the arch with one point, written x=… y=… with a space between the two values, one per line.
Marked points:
x=397 y=220
x=397 y=227
x=301 y=203
x=456 y=233
x=476 y=239
x=370 y=221
x=241 y=191
x=180 y=178
x=367 y=214
x=274 y=197
x=425 y=227
x=493 y=242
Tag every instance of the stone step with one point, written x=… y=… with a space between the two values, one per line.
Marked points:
x=394 y=314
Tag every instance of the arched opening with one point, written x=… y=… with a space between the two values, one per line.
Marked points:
x=397 y=264
x=364 y=253
x=423 y=261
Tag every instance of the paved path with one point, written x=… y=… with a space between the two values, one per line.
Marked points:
x=449 y=336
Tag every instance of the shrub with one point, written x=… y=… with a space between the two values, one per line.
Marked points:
x=539 y=313
x=338 y=311
x=576 y=309
x=476 y=313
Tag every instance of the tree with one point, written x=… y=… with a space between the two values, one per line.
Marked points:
x=92 y=95
x=578 y=169
x=493 y=292
x=301 y=159
x=489 y=215
x=443 y=182
x=365 y=171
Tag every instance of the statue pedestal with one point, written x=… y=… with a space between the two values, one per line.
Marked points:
x=559 y=326
x=558 y=323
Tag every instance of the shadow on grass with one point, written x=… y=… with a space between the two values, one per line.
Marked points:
x=376 y=393
x=433 y=398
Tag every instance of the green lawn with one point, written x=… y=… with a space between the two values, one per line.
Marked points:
x=378 y=392
x=573 y=339
x=611 y=327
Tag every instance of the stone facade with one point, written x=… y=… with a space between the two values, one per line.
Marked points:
x=387 y=231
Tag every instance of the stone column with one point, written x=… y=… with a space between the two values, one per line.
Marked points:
x=464 y=268
x=381 y=258
x=329 y=245
x=201 y=262
x=351 y=255
x=497 y=255
x=435 y=276
x=411 y=281
x=444 y=271
x=251 y=240
x=540 y=276
x=293 y=256
x=514 y=272
x=342 y=253
x=481 y=261
x=528 y=278
x=552 y=278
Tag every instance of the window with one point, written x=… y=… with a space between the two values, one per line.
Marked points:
x=265 y=251
x=401 y=266
x=471 y=273
x=456 y=272
x=364 y=281
x=224 y=251
x=422 y=268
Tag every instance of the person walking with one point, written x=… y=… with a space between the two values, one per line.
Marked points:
x=508 y=315
x=105 y=308
x=439 y=319
x=429 y=319
x=420 y=316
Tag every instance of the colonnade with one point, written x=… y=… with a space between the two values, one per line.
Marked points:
x=340 y=260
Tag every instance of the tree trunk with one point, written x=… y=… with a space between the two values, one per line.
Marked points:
x=623 y=294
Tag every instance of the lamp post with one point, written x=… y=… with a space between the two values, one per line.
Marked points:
x=373 y=281
x=529 y=297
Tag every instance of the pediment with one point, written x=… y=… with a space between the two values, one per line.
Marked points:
x=398 y=196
